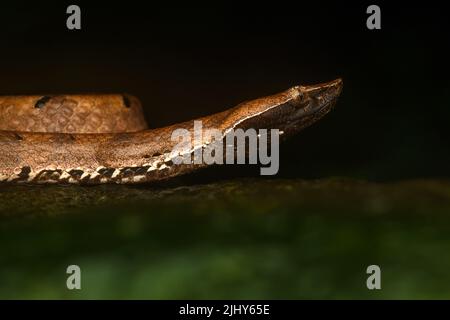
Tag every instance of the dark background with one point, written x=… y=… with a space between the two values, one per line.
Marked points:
x=185 y=60
x=242 y=238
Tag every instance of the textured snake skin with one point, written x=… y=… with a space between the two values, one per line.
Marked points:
x=91 y=139
x=72 y=113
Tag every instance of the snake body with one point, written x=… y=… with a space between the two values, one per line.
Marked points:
x=93 y=139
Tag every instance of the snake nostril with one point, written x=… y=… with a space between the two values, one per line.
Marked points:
x=42 y=101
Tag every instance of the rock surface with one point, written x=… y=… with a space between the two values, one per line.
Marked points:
x=235 y=239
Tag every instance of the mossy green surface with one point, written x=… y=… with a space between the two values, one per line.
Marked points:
x=252 y=239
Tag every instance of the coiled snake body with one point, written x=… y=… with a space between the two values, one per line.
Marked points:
x=92 y=139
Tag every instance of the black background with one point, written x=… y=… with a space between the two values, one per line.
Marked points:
x=280 y=309
x=188 y=59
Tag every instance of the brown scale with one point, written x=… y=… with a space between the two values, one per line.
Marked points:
x=72 y=113
x=91 y=139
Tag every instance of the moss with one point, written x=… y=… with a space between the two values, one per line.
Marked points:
x=234 y=239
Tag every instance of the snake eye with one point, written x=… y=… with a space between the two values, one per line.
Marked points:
x=303 y=97
x=42 y=101
x=297 y=93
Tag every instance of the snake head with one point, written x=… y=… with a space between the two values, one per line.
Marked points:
x=296 y=108
x=309 y=104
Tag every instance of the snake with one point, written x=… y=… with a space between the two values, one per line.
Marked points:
x=104 y=138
